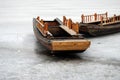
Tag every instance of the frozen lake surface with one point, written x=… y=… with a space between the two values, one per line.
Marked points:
x=23 y=58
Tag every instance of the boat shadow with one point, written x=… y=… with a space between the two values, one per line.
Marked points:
x=42 y=53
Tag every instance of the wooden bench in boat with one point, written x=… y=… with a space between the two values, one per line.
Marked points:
x=70 y=31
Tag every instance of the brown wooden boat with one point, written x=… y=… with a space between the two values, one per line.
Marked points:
x=99 y=24
x=56 y=36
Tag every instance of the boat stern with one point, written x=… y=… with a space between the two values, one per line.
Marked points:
x=70 y=45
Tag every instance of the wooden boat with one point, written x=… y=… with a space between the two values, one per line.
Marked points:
x=99 y=24
x=56 y=36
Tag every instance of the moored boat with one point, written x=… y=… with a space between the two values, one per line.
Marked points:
x=59 y=36
x=99 y=24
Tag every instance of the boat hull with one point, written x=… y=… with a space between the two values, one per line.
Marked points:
x=44 y=41
x=98 y=30
x=61 y=44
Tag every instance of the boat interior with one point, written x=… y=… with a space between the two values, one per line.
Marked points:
x=55 y=29
x=58 y=29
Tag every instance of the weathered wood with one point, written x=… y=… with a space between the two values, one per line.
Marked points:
x=92 y=18
x=64 y=20
x=42 y=21
x=70 y=45
x=73 y=28
x=38 y=18
x=95 y=16
x=101 y=20
x=51 y=35
x=40 y=26
x=45 y=28
x=106 y=25
x=82 y=18
x=70 y=31
x=110 y=20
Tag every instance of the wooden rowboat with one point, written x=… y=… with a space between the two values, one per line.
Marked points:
x=99 y=24
x=58 y=37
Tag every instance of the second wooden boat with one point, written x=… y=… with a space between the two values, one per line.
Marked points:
x=56 y=36
x=99 y=24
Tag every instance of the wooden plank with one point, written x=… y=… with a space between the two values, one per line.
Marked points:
x=111 y=23
x=59 y=21
x=93 y=22
x=67 y=45
x=40 y=27
x=69 y=31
